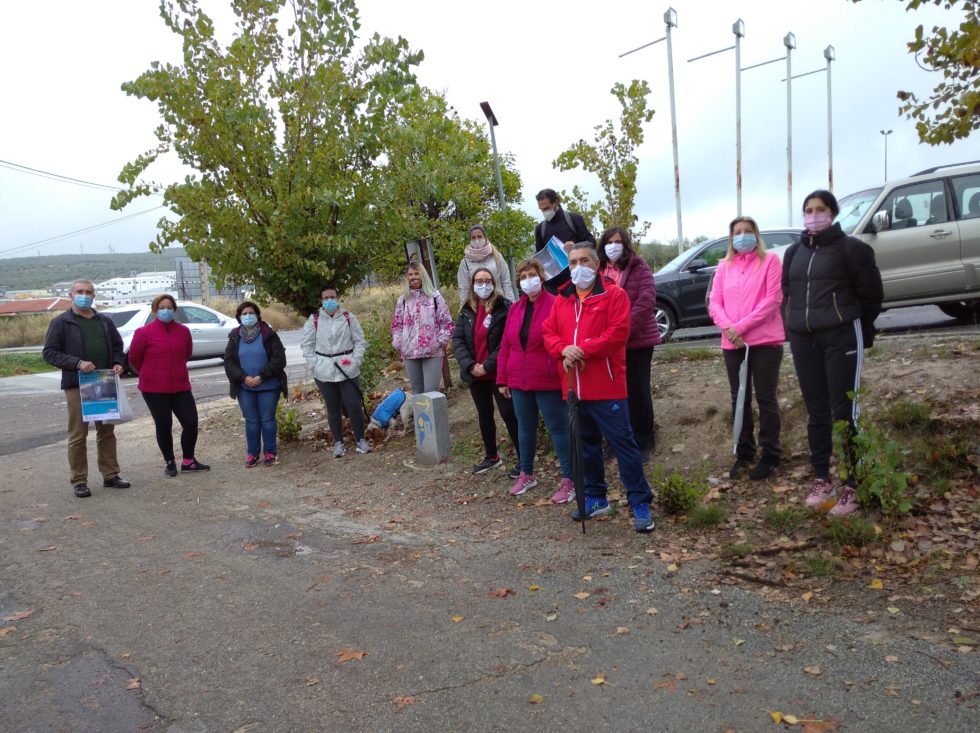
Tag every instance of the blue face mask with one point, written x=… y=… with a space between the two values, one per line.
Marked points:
x=165 y=315
x=330 y=305
x=249 y=320
x=83 y=302
x=744 y=242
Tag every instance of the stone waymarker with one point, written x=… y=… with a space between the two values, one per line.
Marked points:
x=431 y=427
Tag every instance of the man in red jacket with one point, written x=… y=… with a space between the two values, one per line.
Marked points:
x=587 y=331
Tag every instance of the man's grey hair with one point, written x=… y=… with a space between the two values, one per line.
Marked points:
x=83 y=281
x=586 y=245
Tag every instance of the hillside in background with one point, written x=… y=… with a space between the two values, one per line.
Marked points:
x=33 y=273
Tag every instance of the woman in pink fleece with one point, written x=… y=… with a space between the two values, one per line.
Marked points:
x=744 y=304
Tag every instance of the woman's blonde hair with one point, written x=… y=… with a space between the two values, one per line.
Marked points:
x=760 y=246
x=474 y=300
x=427 y=287
x=527 y=266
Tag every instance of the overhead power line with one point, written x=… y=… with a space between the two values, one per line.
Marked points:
x=59 y=237
x=17 y=167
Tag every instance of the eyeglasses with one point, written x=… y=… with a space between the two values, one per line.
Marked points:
x=483 y=282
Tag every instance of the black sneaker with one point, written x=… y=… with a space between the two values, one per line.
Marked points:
x=171 y=469
x=740 y=465
x=514 y=472
x=82 y=491
x=765 y=468
x=194 y=465
x=486 y=464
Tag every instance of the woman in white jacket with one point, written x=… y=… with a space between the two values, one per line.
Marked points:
x=333 y=346
x=480 y=253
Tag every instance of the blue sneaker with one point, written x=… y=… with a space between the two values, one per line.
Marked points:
x=595 y=506
x=643 y=518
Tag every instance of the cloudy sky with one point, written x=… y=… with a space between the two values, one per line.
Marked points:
x=546 y=69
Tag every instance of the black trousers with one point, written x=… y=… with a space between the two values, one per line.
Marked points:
x=828 y=365
x=638 y=390
x=763 y=378
x=339 y=396
x=163 y=407
x=485 y=392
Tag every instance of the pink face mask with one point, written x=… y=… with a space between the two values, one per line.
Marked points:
x=818 y=222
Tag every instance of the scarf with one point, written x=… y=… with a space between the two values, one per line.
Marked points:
x=478 y=254
x=249 y=335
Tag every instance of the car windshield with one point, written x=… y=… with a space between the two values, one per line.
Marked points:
x=853 y=208
x=121 y=318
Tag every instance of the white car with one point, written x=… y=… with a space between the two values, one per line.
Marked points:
x=209 y=328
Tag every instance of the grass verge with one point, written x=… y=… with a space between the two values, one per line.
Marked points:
x=25 y=362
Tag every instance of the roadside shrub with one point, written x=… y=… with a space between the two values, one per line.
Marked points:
x=287 y=420
x=706 y=516
x=277 y=315
x=677 y=493
x=379 y=352
x=27 y=330
x=877 y=467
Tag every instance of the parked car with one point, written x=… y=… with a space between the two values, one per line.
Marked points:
x=209 y=328
x=682 y=284
x=925 y=231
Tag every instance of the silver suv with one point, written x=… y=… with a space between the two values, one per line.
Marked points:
x=925 y=231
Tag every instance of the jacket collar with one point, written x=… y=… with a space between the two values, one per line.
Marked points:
x=598 y=287
x=827 y=236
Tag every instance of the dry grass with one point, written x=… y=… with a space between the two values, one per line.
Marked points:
x=24 y=330
x=277 y=315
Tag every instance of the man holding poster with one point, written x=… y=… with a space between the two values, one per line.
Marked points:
x=81 y=340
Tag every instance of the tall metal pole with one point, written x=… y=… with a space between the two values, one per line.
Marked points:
x=738 y=28
x=828 y=53
x=886 y=133
x=492 y=123
x=670 y=18
x=789 y=40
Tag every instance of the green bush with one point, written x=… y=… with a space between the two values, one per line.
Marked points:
x=876 y=467
x=677 y=493
x=906 y=414
x=379 y=352
x=287 y=420
x=710 y=515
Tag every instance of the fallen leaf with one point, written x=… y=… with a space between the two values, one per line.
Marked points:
x=586 y=577
x=124 y=655
x=876 y=584
x=192 y=554
x=262 y=505
x=964 y=649
x=502 y=593
x=457 y=619
x=310 y=681
x=791 y=719
x=18 y=615
x=70 y=517
x=346 y=655
x=807 y=596
x=403 y=701
x=622 y=630
x=465 y=499
x=652 y=611
x=249 y=546
x=738 y=642
x=582 y=595
x=777 y=717
x=710 y=681
x=891 y=658
x=598 y=680
x=669 y=684
x=146 y=538
x=6 y=630
x=536 y=699
x=369 y=540
x=814 y=670
x=893 y=610
x=52 y=548
x=892 y=691
x=672 y=568
x=134 y=683
x=534 y=587
x=551 y=617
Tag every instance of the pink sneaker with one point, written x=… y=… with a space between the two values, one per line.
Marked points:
x=523 y=483
x=565 y=493
x=820 y=491
x=847 y=504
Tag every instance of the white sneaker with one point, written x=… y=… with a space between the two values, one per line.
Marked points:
x=339 y=451
x=363 y=447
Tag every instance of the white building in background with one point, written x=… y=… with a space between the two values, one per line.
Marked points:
x=140 y=288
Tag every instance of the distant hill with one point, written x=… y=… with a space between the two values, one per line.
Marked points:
x=34 y=273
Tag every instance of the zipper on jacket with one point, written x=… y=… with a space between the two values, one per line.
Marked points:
x=806 y=309
x=839 y=316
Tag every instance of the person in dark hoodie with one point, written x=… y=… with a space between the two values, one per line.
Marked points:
x=255 y=363
x=832 y=294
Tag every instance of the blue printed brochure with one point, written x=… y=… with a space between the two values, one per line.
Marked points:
x=100 y=399
x=552 y=257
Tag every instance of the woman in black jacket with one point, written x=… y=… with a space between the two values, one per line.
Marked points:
x=255 y=362
x=476 y=342
x=832 y=294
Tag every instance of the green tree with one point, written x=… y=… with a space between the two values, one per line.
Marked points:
x=284 y=133
x=952 y=111
x=611 y=156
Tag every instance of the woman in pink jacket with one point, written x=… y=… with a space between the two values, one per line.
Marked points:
x=744 y=304
x=420 y=329
x=528 y=375
x=159 y=352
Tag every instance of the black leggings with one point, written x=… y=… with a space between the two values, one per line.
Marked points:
x=638 y=389
x=484 y=393
x=163 y=406
x=339 y=396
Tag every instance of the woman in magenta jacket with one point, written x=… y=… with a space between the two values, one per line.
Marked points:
x=744 y=304
x=159 y=352
x=529 y=376
x=630 y=271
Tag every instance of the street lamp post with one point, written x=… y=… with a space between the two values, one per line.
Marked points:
x=789 y=40
x=492 y=122
x=670 y=19
x=886 y=133
x=828 y=53
x=738 y=28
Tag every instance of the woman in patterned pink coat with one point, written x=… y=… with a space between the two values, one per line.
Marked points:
x=420 y=329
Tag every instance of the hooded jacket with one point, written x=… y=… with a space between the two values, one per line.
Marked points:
x=333 y=346
x=274 y=350
x=463 y=345
x=532 y=368
x=600 y=326
x=746 y=294
x=829 y=279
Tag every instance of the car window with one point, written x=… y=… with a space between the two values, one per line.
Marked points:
x=198 y=315
x=917 y=205
x=121 y=318
x=780 y=239
x=853 y=208
x=714 y=253
x=967 y=190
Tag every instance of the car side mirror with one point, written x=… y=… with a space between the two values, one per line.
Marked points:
x=880 y=222
x=697 y=264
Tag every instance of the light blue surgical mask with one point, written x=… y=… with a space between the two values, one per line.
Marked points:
x=165 y=315
x=249 y=320
x=83 y=302
x=330 y=305
x=744 y=242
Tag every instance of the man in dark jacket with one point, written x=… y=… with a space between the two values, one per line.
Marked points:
x=566 y=225
x=82 y=340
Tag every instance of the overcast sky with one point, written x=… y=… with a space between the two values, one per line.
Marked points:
x=546 y=69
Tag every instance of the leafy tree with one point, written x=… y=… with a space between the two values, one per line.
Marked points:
x=612 y=158
x=952 y=111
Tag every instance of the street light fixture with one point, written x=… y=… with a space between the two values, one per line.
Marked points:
x=886 y=133
x=492 y=122
x=670 y=20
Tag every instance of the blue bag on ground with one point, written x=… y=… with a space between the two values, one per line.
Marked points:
x=389 y=406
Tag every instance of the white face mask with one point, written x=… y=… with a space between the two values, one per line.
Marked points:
x=548 y=214
x=483 y=290
x=583 y=277
x=614 y=250
x=478 y=241
x=531 y=285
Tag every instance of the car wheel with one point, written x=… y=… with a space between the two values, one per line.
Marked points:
x=666 y=321
x=964 y=310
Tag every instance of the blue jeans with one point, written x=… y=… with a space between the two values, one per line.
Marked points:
x=259 y=409
x=555 y=412
x=610 y=419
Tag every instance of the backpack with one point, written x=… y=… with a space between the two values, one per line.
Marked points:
x=568 y=220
